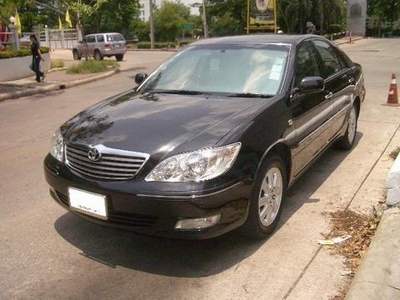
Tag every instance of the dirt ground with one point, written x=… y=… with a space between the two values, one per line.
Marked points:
x=357 y=232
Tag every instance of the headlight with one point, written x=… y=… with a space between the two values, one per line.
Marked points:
x=57 y=146
x=195 y=166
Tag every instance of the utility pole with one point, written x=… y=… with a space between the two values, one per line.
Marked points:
x=78 y=23
x=205 y=20
x=151 y=24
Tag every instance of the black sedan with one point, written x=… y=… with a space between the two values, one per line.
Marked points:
x=211 y=140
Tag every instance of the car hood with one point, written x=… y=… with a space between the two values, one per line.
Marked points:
x=162 y=123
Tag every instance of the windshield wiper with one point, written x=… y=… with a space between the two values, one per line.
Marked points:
x=249 y=95
x=179 y=92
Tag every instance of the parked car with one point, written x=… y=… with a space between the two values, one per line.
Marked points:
x=100 y=45
x=211 y=140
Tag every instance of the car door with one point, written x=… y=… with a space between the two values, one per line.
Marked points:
x=339 y=81
x=91 y=42
x=311 y=111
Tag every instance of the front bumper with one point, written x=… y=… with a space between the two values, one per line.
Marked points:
x=138 y=206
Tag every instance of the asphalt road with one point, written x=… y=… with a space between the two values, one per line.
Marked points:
x=47 y=253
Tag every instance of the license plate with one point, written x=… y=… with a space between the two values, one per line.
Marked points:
x=117 y=45
x=88 y=203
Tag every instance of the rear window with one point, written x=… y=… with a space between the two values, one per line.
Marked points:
x=118 y=37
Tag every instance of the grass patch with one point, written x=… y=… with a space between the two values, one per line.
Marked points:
x=92 y=66
x=57 y=63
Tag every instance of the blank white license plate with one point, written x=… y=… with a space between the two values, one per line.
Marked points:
x=88 y=203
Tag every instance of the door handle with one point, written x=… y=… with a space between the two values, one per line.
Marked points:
x=329 y=96
x=351 y=79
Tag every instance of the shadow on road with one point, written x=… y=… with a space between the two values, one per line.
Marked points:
x=182 y=258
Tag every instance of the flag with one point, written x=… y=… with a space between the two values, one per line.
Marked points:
x=18 y=22
x=60 y=26
x=68 y=19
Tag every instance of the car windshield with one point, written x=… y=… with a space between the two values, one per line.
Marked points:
x=236 y=70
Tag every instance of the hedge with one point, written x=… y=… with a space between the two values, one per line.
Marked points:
x=22 y=52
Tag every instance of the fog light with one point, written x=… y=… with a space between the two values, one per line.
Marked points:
x=197 y=223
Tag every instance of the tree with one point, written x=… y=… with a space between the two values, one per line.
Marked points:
x=169 y=20
x=227 y=17
x=386 y=11
x=113 y=16
x=294 y=14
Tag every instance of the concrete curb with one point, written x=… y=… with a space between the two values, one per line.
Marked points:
x=393 y=184
x=56 y=86
x=378 y=276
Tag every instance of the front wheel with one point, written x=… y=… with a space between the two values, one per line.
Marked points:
x=97 y=55
x=347 y=141
x=76 y=55
x=268 y=195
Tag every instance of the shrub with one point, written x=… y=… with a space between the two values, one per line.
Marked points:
x=336 y=28
x=158 y=45
x=57 y=63
x=24 y=51
x=92 y=66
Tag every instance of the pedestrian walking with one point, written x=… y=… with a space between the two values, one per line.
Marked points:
x=36 y=58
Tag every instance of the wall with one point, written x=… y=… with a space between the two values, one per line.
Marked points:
x=18 y=67
x=356 y=17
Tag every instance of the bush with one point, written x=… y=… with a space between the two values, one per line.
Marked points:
x=158 y=45
x=92 y=66
x=57 y=63
x=336 y=28
x=24 y=51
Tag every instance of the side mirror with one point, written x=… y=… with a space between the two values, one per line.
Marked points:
x=312 y=84
x=140 y=77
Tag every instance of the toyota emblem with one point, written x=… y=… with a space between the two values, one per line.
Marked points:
x=94 y=154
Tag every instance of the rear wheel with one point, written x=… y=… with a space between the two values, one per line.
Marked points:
x=76 y=55
x=97 y=55
x=347 y=141
x=268 y=195
x=119 y=57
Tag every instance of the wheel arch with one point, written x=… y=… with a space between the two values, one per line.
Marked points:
x=281 y=150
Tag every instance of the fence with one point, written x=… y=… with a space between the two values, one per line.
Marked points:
x=59 y=38
x=52 y=38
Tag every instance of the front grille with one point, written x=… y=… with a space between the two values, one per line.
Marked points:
x=113 y=164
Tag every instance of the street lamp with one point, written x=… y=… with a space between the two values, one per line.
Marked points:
x=204 y=16
x=12 y=20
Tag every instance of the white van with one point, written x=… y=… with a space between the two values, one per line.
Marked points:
x=100 y=45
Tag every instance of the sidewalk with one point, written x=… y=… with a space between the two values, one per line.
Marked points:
x=56 y=79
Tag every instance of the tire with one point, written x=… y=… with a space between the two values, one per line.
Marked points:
x=346 y=142
x=268 y=195
x=76 y=55
x=119 y=57
x=97 y=55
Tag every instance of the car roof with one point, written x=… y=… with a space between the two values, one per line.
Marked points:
x=103 y=33
x=257 y=39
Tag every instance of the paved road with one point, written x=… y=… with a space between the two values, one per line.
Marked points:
x=47 y=253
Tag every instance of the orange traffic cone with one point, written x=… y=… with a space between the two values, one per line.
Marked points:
x=393 y=99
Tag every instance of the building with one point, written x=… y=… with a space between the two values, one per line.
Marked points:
x=356 y=16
